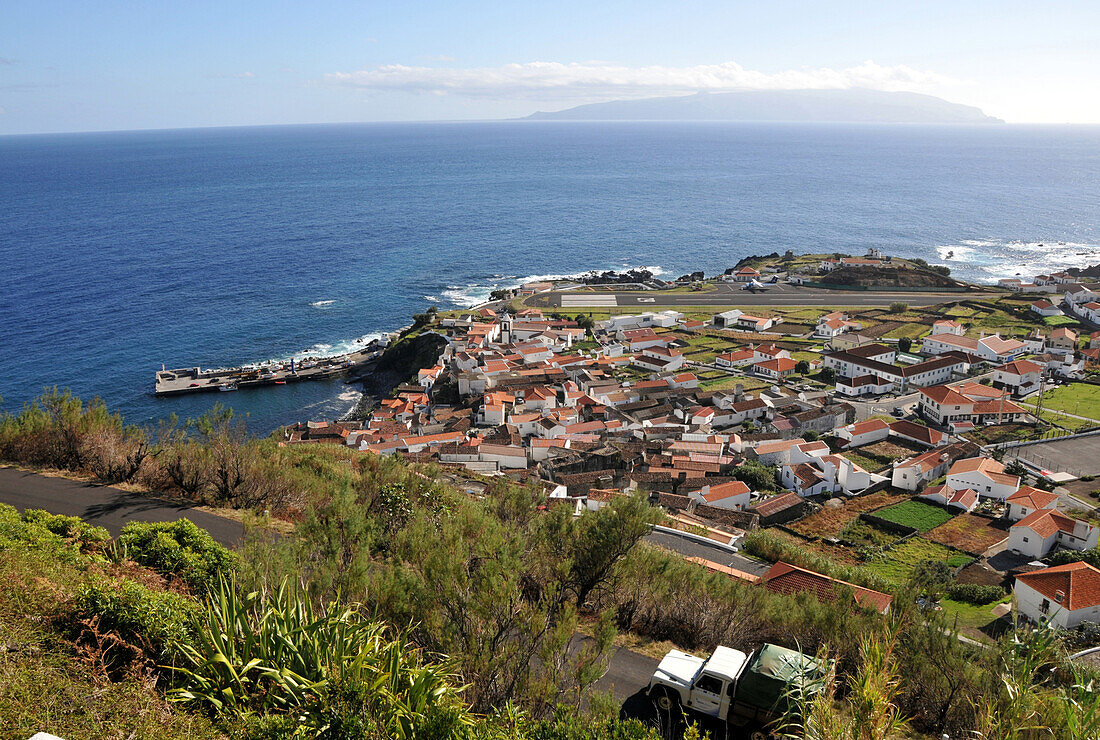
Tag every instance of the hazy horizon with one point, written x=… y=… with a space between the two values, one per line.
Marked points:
x=67 y=67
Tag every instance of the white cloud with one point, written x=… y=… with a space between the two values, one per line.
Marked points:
x=595 y=80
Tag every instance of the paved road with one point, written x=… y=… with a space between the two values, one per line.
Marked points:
x=693 y=548
x=112 y=508
x=778 y=295
x=105 y=506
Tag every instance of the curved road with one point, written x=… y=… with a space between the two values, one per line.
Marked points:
x=106 y=506
x=113 y=508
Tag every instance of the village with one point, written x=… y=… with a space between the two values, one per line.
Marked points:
x=880 y=437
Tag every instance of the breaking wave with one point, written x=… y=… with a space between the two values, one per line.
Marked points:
x=475 y=293
x=988 y=260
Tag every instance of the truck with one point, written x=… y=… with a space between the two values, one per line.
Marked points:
x=745 y=690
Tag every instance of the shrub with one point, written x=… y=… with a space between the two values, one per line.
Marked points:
x=898 y=307
x=153 y=621
x=65 y=536
x=178 y=548
x=972 y=593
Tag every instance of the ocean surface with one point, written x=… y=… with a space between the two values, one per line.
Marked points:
x=214 y=247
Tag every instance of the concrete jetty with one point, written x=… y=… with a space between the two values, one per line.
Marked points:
x=197 y=380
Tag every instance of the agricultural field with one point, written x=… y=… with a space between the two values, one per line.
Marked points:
x=916 y=514
x=870 y=463
x=830 y=522
x=865 y=534
x=878 y=456
x=896 y=564
x=969 y=533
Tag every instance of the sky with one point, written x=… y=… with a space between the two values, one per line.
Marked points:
x=109 y=65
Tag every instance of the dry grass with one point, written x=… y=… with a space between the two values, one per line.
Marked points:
x=830 y=522
x=969 y=533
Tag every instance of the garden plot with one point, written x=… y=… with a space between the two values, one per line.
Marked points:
x=969 y=533
x=916 y=514
x=830 y=522
x=896 y=564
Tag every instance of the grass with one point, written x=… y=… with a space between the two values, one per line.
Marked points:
x=870 y=463
x=975 y=621
x=829 y=521
x=1079 y=399
x=916 y=514
x=896 y=564
x=864 y=533
x=969 y=533
x=46 y=685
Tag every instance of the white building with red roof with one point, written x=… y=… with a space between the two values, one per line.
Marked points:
x=944 y=495
x=984 y=475
x=1028 y=500
x=1064 y=596
x=734 y=495
x=1020 y=377
x=864 y=433
x=1041 y=531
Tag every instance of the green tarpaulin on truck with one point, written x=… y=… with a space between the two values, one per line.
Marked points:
x=770 y=670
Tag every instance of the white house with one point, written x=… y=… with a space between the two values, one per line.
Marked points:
x=914 y=472
x=1063 y=596
x=1043 y=307
x=984 y=475
x=1020 y=377
x=1077 y=294
x=1027 y=501
x=774 y=453
x=1041 y=531
x=947 y=326
x=777 y=369
x=993 y=348
x=945 y=495
x=734 y=495
x=736 y=358
x=864 y=433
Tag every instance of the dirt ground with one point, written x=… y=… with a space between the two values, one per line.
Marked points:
x=829 y=522
x=969 y=533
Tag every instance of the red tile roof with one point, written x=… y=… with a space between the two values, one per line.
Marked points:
x=785 y=578
x=1078 y=584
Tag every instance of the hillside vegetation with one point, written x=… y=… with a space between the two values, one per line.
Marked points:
x=403 y=607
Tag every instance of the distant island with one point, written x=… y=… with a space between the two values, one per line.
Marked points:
x=780 y=106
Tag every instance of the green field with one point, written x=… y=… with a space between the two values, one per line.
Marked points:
x=1079 y=399
x=916 y=514
x=896 y=564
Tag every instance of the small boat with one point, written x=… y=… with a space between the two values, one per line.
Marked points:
x=226 y=387
x=280 y=382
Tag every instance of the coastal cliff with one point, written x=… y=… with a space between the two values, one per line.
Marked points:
x=397 y=365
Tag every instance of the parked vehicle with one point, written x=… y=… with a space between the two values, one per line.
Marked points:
x=744 y=690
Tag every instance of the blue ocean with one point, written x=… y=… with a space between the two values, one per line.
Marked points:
x=214 y=247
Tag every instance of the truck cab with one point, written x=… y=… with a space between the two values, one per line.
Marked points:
x=705 y=686
x=741 y=689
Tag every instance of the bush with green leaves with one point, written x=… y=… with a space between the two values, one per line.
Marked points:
x=155 y=621
x=340 y=675
x=973 y=593
x=179 y=549
x=66 y=536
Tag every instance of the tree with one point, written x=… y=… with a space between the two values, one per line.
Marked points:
x=905 y=344
x=827 y=375
x=802 y=367
x=758 y=476
x=898 y=307
x=603 y=540
x=500 y=294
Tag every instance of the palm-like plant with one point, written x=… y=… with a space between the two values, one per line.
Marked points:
x=255 y=653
